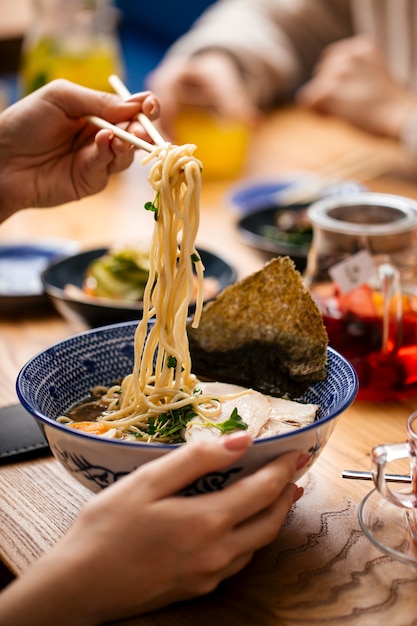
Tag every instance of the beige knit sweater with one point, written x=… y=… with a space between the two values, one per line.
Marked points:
x=278 y=42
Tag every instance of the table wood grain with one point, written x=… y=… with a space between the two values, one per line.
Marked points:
x=321 y=569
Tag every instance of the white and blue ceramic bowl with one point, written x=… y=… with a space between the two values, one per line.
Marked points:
x=64 y=373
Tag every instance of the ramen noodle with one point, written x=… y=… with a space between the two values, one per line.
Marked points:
x=161 y=388
x=162 y=400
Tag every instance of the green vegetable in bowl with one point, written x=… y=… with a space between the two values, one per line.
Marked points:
x=119 y=275
x=291 y=227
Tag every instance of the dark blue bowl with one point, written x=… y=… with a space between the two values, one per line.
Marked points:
x=72 y=271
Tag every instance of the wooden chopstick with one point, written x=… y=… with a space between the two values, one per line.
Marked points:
x=120 y=133
x=121 y=89
x=365 y=167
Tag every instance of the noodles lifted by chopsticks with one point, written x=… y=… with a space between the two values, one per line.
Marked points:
x=161 y=380
x=161 y=396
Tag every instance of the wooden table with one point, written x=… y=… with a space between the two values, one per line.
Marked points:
x=321 y=569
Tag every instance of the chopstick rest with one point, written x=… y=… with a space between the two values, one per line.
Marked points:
x=20 y=436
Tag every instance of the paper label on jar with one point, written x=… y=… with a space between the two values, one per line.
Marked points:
x=353 y=272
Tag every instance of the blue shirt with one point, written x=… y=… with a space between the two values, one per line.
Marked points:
x=148 y=29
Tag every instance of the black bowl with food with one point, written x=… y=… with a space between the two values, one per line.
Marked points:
x=273 y=219
x=279 y=230
x=105 y=286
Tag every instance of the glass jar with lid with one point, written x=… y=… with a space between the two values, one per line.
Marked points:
x=362 y=272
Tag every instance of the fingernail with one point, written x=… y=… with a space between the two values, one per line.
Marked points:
x=138 y=94
x=236 y=441
x=302 y=460
x=297 y=494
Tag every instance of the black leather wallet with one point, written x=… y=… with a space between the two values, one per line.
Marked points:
x=20 y=435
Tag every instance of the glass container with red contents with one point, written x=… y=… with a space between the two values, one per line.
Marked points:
x=362 y=272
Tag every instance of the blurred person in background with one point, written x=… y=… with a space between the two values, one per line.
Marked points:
x=356 y=59
x=148 y=29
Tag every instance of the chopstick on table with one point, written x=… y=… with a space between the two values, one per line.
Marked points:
x=121 y=89
x=308 y=186
x=120 y=133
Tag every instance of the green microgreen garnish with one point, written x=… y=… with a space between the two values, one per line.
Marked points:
x=153 y=206
x=172 y=362
x=168 y=426
x=118 y=392
x=195 y=258
x=233 y=423
x=149 y=206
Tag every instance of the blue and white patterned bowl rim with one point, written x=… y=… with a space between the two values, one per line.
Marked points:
x=36 y=389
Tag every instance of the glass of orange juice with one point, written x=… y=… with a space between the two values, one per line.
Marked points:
x=222 y=142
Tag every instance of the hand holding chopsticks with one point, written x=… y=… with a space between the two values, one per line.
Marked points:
x=121 y=89
x=84 y=163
